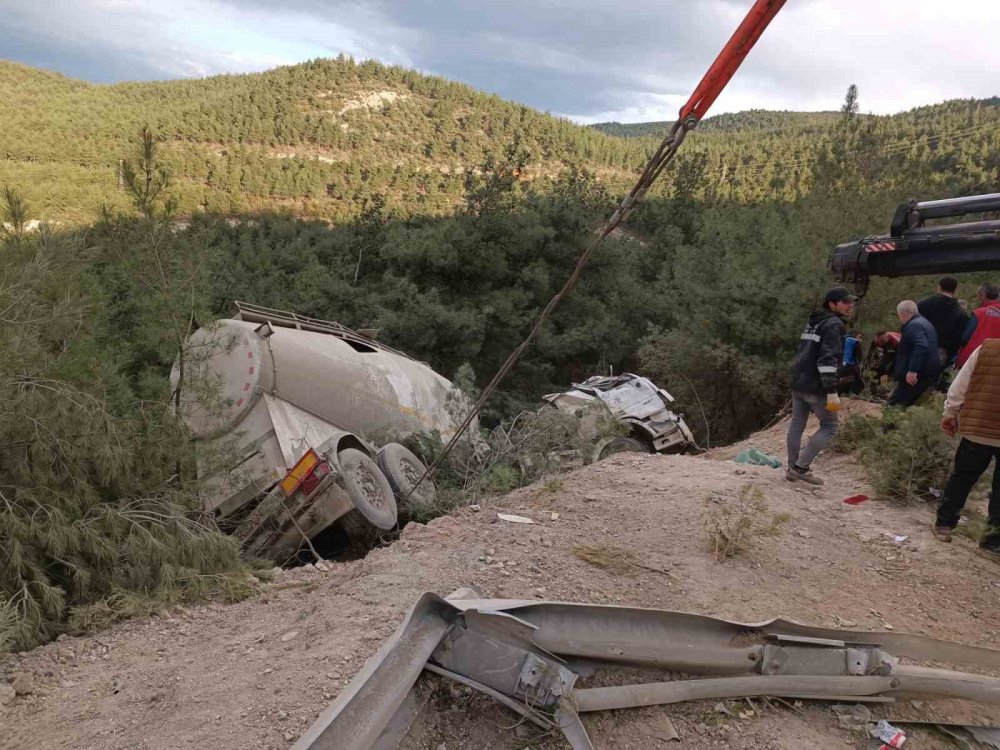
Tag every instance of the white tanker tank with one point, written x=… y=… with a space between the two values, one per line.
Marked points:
x=299 y=423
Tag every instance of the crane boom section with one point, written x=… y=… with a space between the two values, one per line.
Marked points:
x=730 y=58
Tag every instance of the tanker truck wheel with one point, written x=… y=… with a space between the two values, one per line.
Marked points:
x=369 y=490
x=403 y=469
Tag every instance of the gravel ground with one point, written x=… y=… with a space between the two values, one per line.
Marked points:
x=254 y=675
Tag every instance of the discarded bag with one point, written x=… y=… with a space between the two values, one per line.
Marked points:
x=757 y=457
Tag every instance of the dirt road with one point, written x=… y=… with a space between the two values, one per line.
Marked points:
x=254 y=675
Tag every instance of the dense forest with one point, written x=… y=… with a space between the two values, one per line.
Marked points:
x=441 y=216
x=729 y=122
x=318 y=138
x=321 y=138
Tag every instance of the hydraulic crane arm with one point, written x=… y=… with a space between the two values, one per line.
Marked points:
x=730 y=58
x=707 y=91
x=912 y=248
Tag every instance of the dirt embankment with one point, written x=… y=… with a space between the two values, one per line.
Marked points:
x=254 y=675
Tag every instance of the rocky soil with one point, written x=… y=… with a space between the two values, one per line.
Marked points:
x=254 y=675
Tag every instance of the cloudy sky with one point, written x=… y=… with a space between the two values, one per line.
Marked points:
x=589 y=60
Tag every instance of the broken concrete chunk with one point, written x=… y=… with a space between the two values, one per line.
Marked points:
x=722 y=708
x=23 y=683
x=663 y=729
x=522 y=731
x=855 y=717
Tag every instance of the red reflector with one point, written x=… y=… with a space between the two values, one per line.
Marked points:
x=312 y=481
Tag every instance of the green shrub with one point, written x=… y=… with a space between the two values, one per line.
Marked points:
x=904 y=452
x=8 y=624
x=733 y=526
x=553 y=485
x=98 y=507
x=856 y=431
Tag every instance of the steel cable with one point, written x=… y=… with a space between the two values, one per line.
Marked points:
x=709 y=87
x=657 y=162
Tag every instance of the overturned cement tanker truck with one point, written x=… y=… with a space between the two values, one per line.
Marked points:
x=298 y=424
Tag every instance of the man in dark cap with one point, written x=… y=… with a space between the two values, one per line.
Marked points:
x=814 y=382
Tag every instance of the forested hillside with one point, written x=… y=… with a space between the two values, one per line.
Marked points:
x=457 y=214
x=383 y=198
x=321 y=138
x=755 y=119
x=318 y=138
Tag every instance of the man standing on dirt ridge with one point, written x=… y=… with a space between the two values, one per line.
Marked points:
x=971 y=411
x=814 y=382
x=917 y=366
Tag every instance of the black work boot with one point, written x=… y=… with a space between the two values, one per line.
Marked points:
x=990 y=546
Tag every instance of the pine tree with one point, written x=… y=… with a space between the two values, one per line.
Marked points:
x=849 y=109
x=145 y=179
x=95 y=521
x=13 y=215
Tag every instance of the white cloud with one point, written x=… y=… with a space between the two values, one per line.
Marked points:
x=587 y=59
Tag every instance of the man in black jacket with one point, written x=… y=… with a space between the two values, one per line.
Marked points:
x=917 y=363
x=814 y=382
x=949 y=320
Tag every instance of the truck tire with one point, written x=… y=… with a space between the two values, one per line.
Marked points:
x=368 y=489
x=402 y=468
x=622 y=445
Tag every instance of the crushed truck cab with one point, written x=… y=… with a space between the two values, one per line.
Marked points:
x=635 y=401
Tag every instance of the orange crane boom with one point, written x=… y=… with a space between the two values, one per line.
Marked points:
x=730 y=58
x=708 y=89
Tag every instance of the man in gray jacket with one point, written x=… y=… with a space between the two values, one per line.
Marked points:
x=814 y=382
